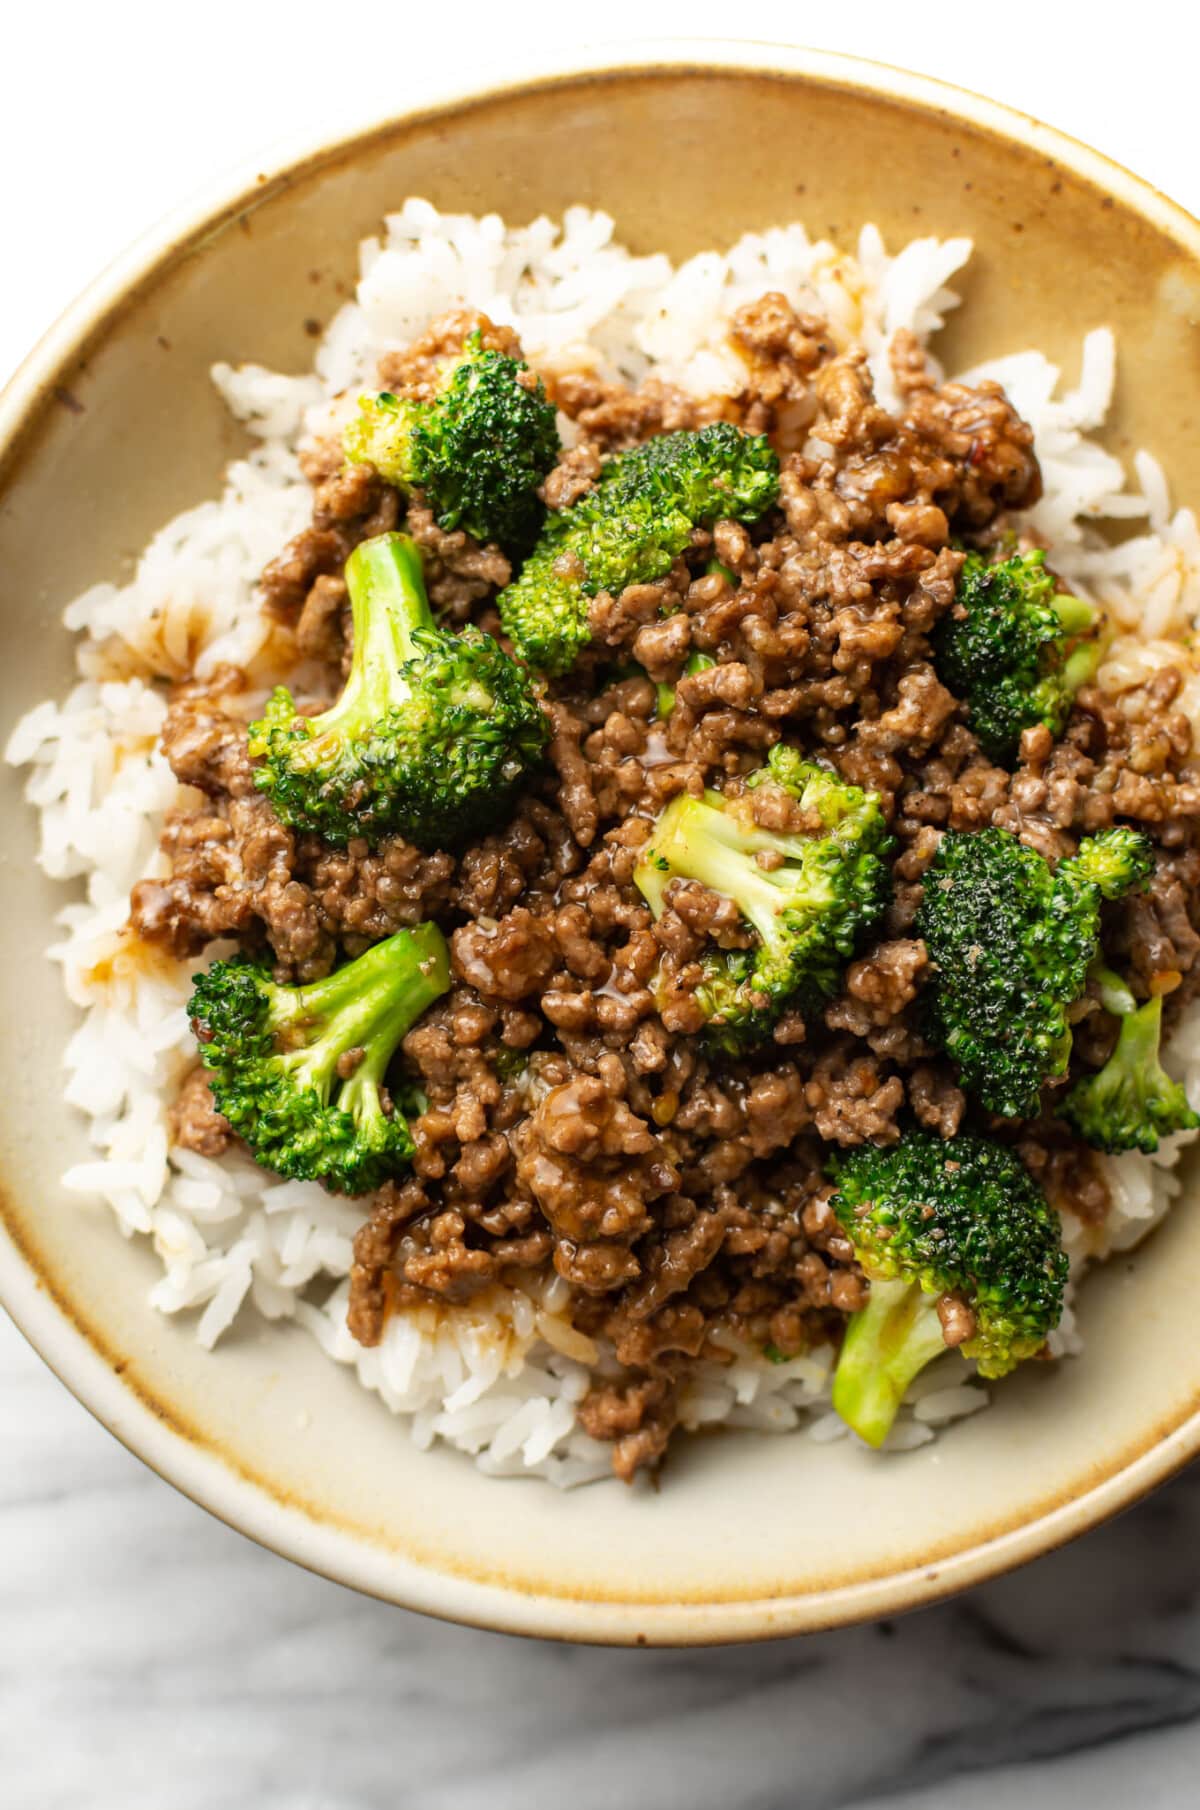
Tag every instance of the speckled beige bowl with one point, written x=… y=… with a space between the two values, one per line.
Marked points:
x=748 y=1537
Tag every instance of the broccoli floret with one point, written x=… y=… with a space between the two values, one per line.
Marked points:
x=629 y=529
x=930 y=1218
x=829 y=884
x=1113 y=863
x=478 y=450
x=1014 y=649
x=1011 y=942
x=431 y=735
x=1131 y=1102
x=299 y=1071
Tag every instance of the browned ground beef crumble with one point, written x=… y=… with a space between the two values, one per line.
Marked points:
x=571 y=1121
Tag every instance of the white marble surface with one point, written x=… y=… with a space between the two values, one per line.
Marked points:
x=150 y=1659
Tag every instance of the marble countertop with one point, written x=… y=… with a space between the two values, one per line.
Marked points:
x=152 y=1659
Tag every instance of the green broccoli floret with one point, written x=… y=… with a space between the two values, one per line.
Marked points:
x=629 y=529
x=1131 y=1102
x=479 y=450
x=1012 y=648
x=299 y=1071
x=1011 y=942
x=829 y=884
x=930 y=1218
x=430 y=737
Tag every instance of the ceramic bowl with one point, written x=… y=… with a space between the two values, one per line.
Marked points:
x=686 y=146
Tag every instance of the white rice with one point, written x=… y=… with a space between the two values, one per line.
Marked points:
x=500 y=1380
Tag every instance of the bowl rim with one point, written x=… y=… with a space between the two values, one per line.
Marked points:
x=59 y=1334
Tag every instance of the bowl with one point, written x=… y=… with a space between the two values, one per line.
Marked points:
x=749 y=1536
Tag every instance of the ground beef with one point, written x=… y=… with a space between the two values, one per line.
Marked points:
x=638 y=1417
x=506 y=959
x=958 y=1320
x=574 y=1123
x=1068 y=1173
x=347 y=508
x=322 y=627
x=594 y=1168
x=936 y=1098
x=237 y=871
x=879 y=987
x=573 y=476
x=233 y=875
x=195 y=1124
x=612 y=417
x=852 y=1098
x=458 y=570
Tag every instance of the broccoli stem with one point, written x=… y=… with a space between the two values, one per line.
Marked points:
x=887 y=1344
x=1080 y=667
x=1131 y=1103
x=385 y=575
x=388 y=605
x=1075 y=613
x=368 y=1004
x=1079 y=618
x=1136 y=1051
x=1115 y=996
x=698 y=841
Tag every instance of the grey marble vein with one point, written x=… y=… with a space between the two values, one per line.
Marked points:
x=153 y=1660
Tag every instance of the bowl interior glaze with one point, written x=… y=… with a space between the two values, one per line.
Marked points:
x=684 y=153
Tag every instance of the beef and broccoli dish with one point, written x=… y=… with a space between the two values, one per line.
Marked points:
x=677 y=861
